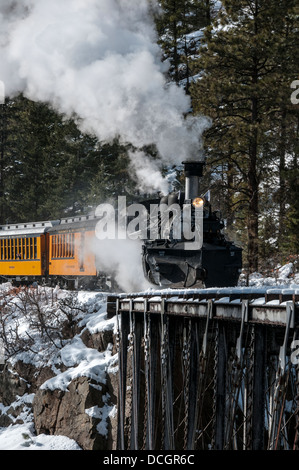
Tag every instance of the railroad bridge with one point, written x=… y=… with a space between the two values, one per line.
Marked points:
x=208 y=369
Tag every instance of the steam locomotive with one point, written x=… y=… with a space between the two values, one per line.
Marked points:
x=176 y=263
x=61 y=251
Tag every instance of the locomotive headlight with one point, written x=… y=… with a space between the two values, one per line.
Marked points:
x=198 y=202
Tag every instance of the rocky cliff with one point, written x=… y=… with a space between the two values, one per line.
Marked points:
x=60 y=370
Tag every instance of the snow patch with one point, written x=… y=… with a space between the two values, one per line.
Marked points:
x=22 y=437
x=81 y=362
x=102 y=414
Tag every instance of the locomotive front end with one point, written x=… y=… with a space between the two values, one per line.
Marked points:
x=207 y=260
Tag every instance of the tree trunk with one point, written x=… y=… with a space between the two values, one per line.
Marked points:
x=2 y=156
x=208 y=12
x=282 y=181
x=253 y=209
x=175 y=45
x=229 y=193
x=253 y=183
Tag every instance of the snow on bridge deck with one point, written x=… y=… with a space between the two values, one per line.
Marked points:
x=271 y=305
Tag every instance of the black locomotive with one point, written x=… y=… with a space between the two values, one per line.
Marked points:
x=172 y=262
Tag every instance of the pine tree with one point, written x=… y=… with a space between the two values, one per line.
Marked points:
x=179 y=27
x=49 y=169
x=241 y=86
x=11 y=135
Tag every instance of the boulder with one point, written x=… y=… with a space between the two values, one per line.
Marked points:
x=80 y=413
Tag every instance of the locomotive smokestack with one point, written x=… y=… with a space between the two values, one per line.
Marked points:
x=193 y=171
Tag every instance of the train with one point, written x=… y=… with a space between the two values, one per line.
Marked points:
x=62 y=251
x=175 y=263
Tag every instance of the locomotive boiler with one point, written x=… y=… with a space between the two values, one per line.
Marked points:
x=176 y=263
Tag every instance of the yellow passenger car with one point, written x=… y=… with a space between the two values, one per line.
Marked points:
x=55 y=252
x=23 y=251
x=71 y=253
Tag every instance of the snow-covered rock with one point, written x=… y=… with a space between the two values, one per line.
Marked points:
x=58 y=373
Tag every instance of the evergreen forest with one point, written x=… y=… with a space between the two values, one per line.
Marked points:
x=238 y=61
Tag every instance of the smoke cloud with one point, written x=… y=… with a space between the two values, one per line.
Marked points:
x=122 y=260
x=98 y=61
x=148 y=173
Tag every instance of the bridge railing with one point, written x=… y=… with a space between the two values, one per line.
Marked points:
x=208 y=369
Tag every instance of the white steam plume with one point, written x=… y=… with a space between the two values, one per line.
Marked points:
x=98 y=60
x=122 y=260
x=148 y=173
